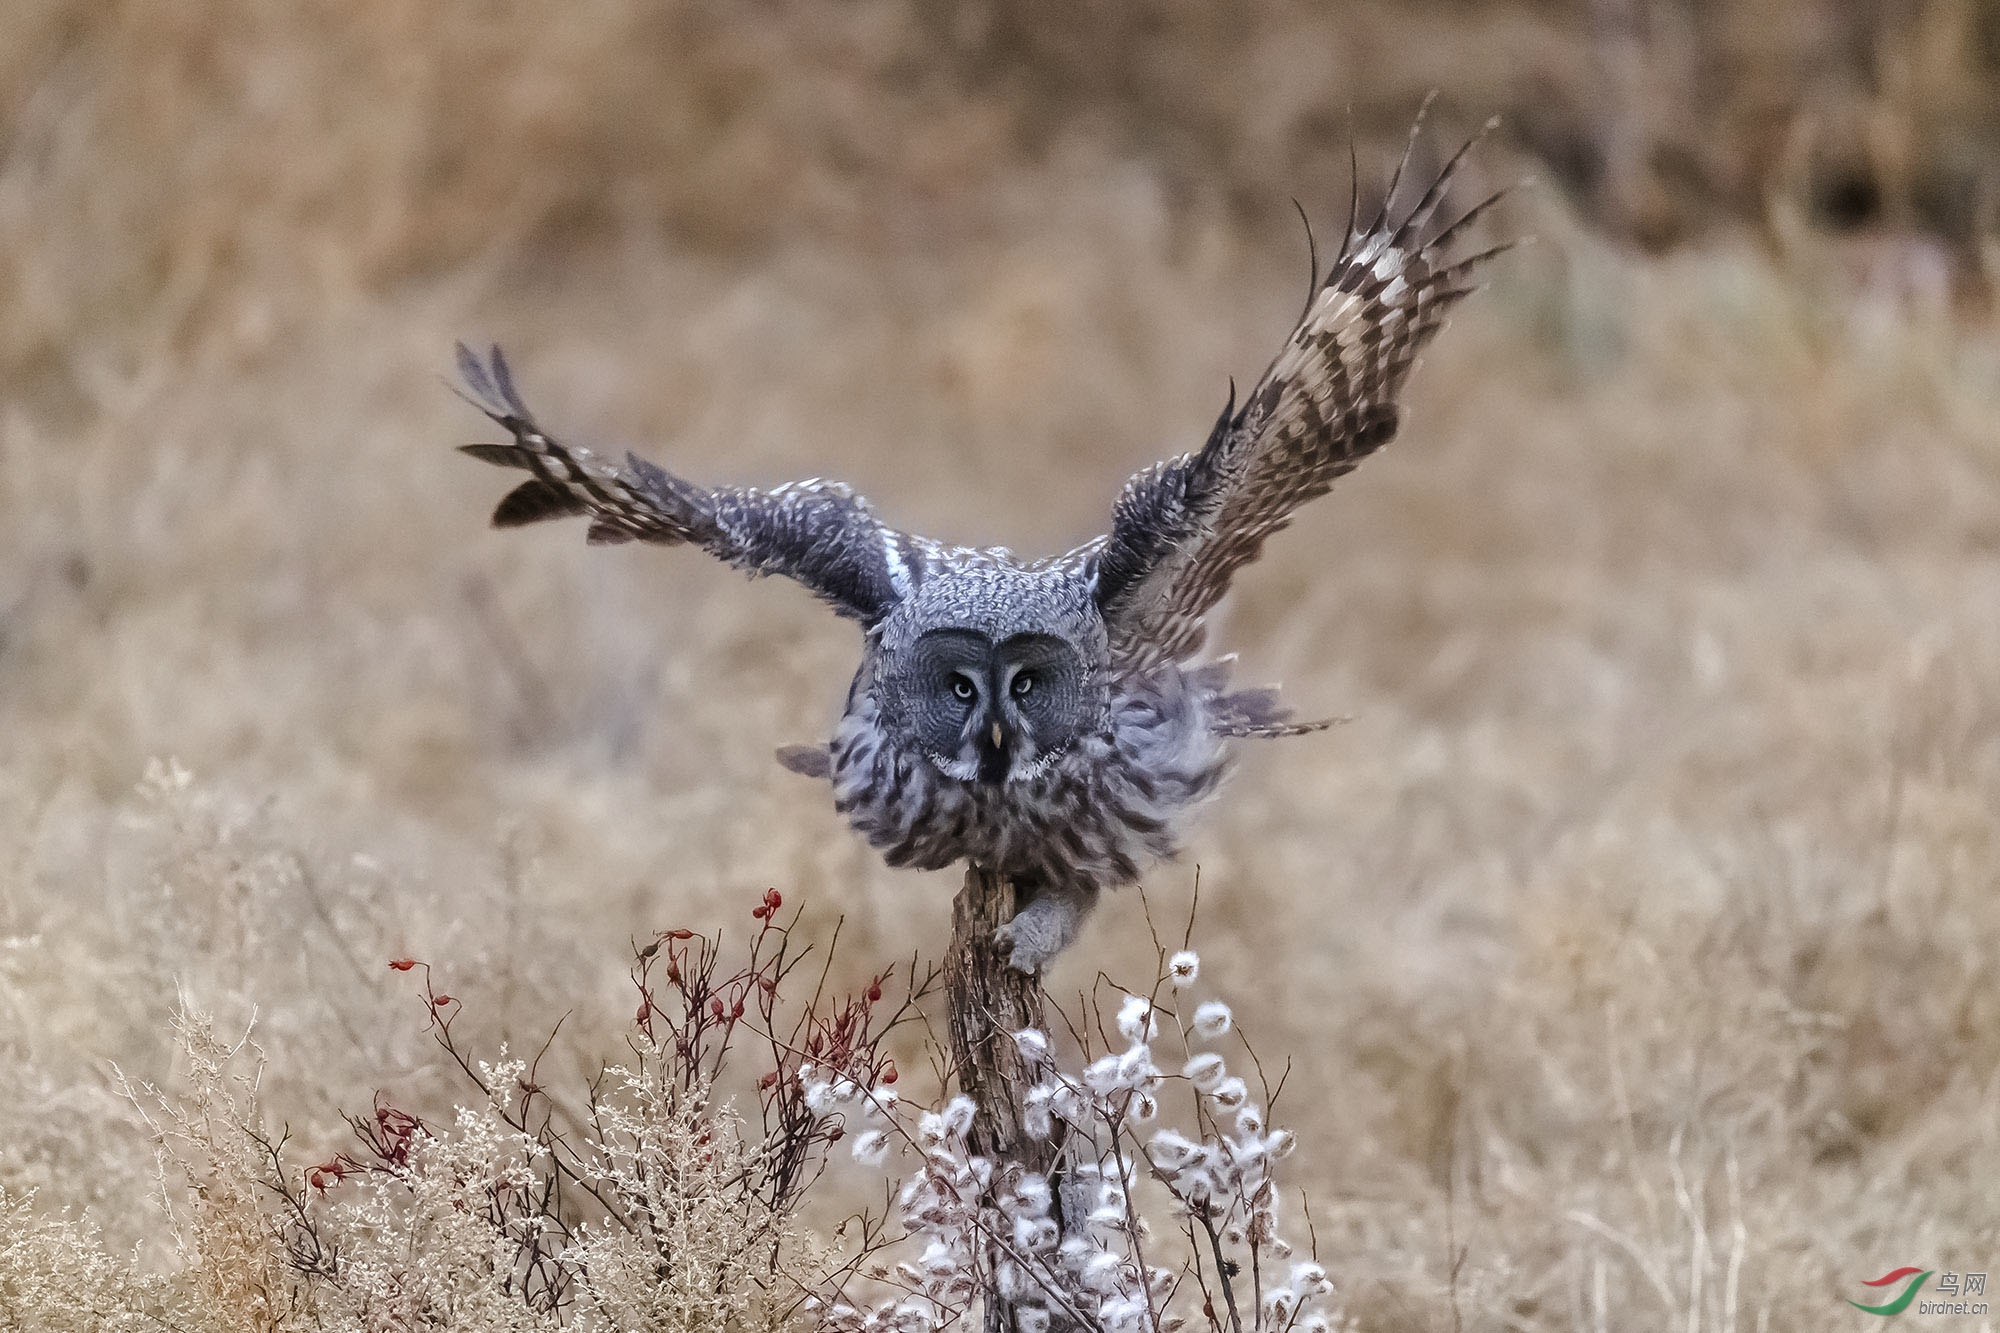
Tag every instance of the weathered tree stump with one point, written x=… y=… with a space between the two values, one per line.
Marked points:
x=989 y=1003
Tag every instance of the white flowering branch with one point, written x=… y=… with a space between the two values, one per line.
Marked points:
x=1060 y=1234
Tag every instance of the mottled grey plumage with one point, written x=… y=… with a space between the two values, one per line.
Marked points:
x=1047 y=719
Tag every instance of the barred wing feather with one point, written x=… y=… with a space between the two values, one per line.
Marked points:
x=819 y=533
x=1182 y=528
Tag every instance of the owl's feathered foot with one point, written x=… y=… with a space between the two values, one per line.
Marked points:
x=1046 y=926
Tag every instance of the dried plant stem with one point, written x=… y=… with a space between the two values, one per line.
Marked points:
x=1221 y=1271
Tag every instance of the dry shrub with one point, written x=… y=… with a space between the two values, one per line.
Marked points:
x=640 y=1202
x=56 y=1276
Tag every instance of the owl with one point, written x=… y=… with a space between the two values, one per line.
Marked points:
x=1051 y=720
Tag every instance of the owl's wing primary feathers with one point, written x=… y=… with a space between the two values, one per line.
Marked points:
x=818 y=532
x=1183 y=527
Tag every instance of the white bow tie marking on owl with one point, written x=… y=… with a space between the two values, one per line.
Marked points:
x=1049 y=720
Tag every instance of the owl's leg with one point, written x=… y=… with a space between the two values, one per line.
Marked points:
x=1046 y=925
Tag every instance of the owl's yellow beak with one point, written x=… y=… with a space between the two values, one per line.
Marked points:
x=989 y=738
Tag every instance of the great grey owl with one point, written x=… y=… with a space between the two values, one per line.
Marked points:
x=1048 y=719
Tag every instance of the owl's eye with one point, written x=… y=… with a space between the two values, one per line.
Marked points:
x=1023 y=685
x=962 y=689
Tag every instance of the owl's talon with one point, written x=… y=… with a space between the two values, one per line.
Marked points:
x=1018 y=955
x=1040 y=931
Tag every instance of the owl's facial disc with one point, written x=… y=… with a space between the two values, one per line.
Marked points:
x=1041 y=687
x=991 y=713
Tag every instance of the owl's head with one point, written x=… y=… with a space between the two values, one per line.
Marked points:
x=994 y=673
x=987 y=711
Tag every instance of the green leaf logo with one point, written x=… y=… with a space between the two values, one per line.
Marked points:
x=1902 y=1302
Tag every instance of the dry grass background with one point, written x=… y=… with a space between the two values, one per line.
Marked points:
x=1634 y=944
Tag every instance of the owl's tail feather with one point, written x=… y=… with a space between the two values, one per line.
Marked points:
x=808 y=761
x=1256 y=712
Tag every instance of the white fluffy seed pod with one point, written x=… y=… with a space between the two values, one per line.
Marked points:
x=1109 y=1216
x=1230 y=1094
x=1123 y=1314
x=871 y=1147
x=1033 y=1044
x=1035 y=1234
x=1136 y=1068
x=1171 y=1150
x=1100 y=1271
x=1135 y=1019
x=958 y=1113
x=1211 y=1019
x=1279 y=1305
x=1183 y=968
x=1205 y=1071
x=1197 y=1185
x=1102 y=1074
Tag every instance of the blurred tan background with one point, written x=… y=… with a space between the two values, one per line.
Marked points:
x=1634 y=943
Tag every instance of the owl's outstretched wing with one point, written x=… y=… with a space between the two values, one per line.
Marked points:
x=818 y=532
x=1183 y=527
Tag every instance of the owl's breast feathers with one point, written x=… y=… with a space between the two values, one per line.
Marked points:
x=1095 y=817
